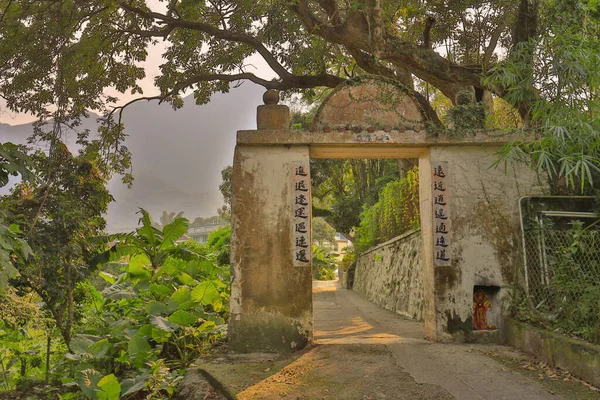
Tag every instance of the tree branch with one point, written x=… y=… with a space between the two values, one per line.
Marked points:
x=121 y=108
x=367 y=63
x=429 y=22
x=332 y=10
x=489 y=51
x=290 y=82
x=212 y=31
x=426 y=64
x=5 y=10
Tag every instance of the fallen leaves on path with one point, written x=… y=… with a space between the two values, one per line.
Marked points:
x=547 y=372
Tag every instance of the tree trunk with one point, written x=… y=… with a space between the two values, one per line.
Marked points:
x=405 y=165
x=48 y=349
x=69 y=325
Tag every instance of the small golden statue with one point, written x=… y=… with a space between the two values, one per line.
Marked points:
x=480 y=308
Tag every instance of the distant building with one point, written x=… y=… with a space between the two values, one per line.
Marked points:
x=199 y=231
x=338 y=249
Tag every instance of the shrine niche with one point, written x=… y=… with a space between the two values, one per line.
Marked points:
x=485 y=312
x=469 y=215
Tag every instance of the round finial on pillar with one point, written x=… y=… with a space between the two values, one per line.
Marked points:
x=271 y=97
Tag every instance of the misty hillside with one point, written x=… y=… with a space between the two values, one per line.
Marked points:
x=177 y=155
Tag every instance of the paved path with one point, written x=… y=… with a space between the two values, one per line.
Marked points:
x=343 y=317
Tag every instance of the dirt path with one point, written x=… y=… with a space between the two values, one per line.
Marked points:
x=464 y=371
x=363 y=352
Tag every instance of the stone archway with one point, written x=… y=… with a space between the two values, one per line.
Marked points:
x=469 y=234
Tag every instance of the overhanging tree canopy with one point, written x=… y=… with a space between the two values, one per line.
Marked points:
x=540 y=55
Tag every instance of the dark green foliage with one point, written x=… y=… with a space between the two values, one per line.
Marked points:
x=345 y=213
x=14 y=162
x=396 y=212
x=162 y=304
x=225 y=188
x=566 y=298
x=323 y=263
x=554 y=78
x=576 y=284
x=11 y=245
x=464 y=98
x=467 y=114
x=345 y=187
x=167 y=305
x=322 y=232
x=220 y=242
x=58 y=213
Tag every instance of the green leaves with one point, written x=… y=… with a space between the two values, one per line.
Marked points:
x=206 y=293
x=557 y=76
x=109 y=388
x=107 y=277
x=134 y=385
x=396 y=212
x=81 y=343
x=96 y=386
x=181 y=296
x=156 y=308
x=154 y=318
x=163 y=324
x=14 y=162
x=137 y=344
x=173 y=231
x=160 y=290
x=87 y=380
x=10 y=245
x=183 y=318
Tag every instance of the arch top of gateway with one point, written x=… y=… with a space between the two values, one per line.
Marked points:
x=368 y=113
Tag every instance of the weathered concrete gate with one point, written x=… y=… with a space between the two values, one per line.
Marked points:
x=469 y=213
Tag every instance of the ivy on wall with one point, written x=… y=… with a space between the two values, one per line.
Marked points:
x=395 y=212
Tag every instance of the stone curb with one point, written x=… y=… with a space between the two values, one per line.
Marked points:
x=580 y=358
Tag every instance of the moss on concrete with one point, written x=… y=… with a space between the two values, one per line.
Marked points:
x=265 y=332
x=556 y=381
x=580 y=358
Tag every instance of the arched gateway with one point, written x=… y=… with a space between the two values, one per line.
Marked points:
x=469 y=213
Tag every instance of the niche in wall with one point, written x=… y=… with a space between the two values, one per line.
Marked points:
x=486 y=308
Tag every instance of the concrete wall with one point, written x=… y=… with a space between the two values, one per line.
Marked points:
x=391 y=275
x=484 y=211
x=271 y=299
x=582 y=359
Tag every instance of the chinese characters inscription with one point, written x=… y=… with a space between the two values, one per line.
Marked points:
x=441 y=214
x=301 y=208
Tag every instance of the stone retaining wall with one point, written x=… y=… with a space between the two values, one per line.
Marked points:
x=581 y=359
x=391 y=275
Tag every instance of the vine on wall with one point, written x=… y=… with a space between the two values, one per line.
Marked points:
x=396 y=212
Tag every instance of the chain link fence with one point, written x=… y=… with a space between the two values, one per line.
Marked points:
x=562 y=278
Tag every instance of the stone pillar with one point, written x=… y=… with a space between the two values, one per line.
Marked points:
x=425 y=199
x=271 y=298
x=271 y=115
x=484 y=236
